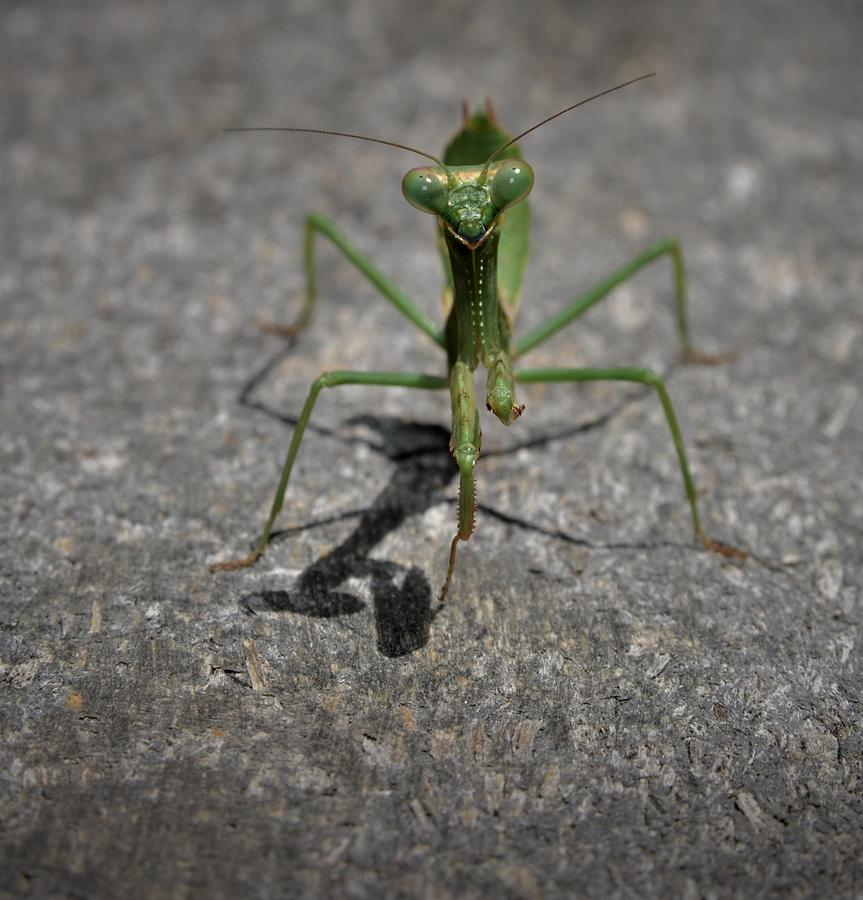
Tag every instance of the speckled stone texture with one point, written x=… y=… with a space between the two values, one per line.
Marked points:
x=603 y=709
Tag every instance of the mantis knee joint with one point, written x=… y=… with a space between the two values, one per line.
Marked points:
x=650 y=377
x=324 y=380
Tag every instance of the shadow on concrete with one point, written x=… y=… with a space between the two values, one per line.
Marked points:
x=401 y=596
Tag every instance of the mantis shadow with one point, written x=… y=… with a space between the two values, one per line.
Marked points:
x=401 y=596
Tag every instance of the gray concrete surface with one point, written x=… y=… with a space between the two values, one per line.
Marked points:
x=603 y=710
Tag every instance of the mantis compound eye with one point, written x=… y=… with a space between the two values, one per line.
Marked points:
x=426 y=189
x=512 y=182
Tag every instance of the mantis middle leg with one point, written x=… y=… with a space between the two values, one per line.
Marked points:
x=579 y=306
x=318 y=224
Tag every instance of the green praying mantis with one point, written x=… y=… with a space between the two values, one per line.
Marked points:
x=477 y=194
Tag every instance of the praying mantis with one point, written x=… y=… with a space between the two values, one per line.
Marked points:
x=477 y=194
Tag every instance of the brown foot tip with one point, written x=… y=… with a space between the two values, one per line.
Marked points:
x=693 y=357
x=445 y=589
x=725 y=550
x=233 y=564
x=279 y=328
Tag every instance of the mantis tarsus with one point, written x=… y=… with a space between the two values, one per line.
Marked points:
x=484 y=254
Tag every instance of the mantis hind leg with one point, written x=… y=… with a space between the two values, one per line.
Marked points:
x=642 y=376
x=328 y=379
x=317 y=224
x=667 y=247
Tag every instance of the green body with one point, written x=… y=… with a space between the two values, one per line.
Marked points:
x=483 y=287
x=471 y=146
x=482 y=217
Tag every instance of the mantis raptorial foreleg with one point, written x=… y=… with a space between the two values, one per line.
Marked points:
x=328 y=379
x=318 y=224
x=464 y=446
x=642 y=376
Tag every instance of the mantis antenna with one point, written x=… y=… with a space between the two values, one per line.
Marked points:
x=518 y=137
x=509 y=143
x=357 y=137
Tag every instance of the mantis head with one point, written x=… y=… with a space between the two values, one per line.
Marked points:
x=468 y=199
